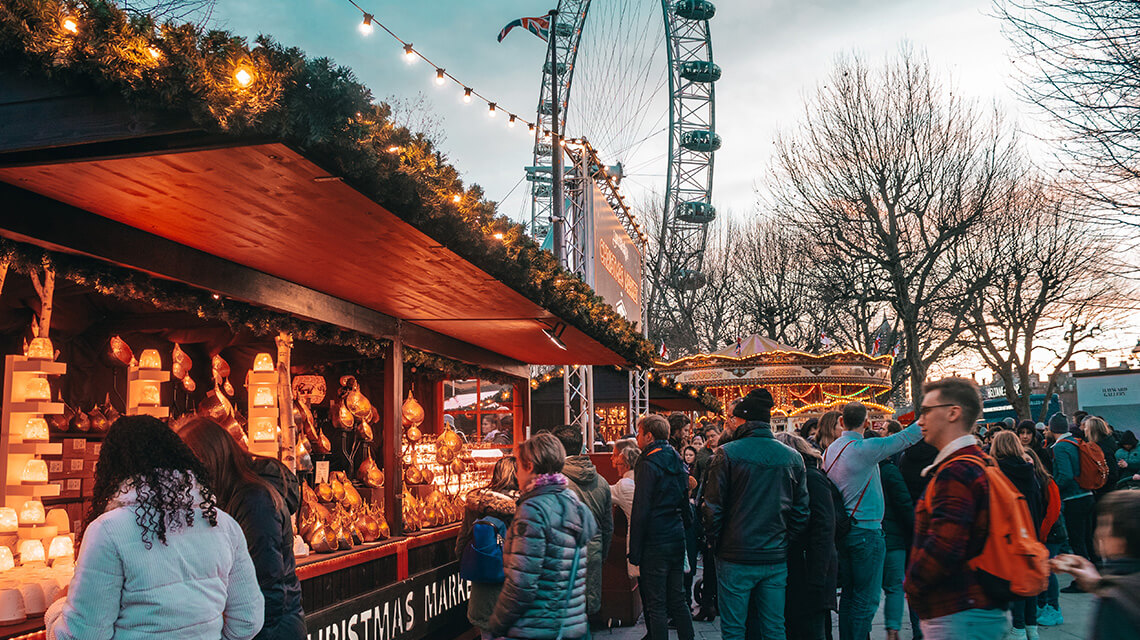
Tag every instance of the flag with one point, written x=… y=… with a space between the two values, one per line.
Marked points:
x=664 y=352
x=539 y=26
x=895 y=351
x=875 y=350
x=739 y=346
x=826 y=342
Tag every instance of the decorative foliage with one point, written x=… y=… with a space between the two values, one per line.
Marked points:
x=313 y=105
x=441 y=367
x=706 y=399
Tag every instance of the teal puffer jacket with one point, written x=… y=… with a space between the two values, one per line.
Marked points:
x=549 y=525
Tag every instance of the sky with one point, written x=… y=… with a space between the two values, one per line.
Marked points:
x=773 y=54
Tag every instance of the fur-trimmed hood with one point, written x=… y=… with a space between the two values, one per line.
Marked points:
x=486 y=502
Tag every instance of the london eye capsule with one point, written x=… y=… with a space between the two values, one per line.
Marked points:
x=698 y=212
x=694 y=9
x=700 y=140
x=561 y=66
x=688 y=279
x=700 y=71
x=564 y=29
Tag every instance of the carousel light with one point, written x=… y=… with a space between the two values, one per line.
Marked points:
x=32 y=512
x=150 y=359
x=35 y=472
x=439 y=76
x=40 y=349
x=243 y=78
x=366 y=25
x=70 y=25
x=263 y=363
x=150 y=395
x=264 y=430
x=8 y=521
x=6 y=560
x=263 y=397
x=61 y=547
x=35 y=430
x=37 y=388
x=32 y=551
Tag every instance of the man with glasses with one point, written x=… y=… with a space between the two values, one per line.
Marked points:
x=852 y=463
x=952 y=522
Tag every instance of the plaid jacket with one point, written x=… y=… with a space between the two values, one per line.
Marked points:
x=948 y=532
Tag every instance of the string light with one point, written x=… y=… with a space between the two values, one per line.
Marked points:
x=511 y=121
x=409 y=53
x=243 y=77
x=466 y=94
x=491 y=109
x=70 y=25
x=456 y=198
x=498 y=236
x=439 y=77
x=154 y=52
x=366 y=26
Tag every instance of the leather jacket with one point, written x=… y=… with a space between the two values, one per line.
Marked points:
x=756 y=497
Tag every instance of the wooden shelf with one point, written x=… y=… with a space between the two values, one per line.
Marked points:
x=49 y=367
x=49 y=490
x=44 y=407
x=148 y=375
x=36 y=448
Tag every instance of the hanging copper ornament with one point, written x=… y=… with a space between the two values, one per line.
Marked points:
x=412 y=412
x=221 y=373
x=119 y=353
x=181 y=363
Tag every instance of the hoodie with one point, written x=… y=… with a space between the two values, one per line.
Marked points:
x=594 y=492
x=1024 y=478
x=661 y=513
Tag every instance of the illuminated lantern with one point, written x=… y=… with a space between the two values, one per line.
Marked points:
x=35 y=472
x=40 y=349
x=61 y=547
x=32 y=512
x=37 y=389
x=150 y=395
x=264 y=430
x=58 y=518
x=32 y=551
x=263 y=363
x=150 y=359
x=263 y=397
x=8 y=521
x=6 y=560
x=35 y=430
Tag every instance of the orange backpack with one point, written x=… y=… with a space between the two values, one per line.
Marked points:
x=1093 y=472
x=1013 y=563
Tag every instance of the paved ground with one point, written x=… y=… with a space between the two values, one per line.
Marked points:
x=1077 y=609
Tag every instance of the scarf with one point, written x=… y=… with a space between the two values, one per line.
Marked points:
x=546 y=479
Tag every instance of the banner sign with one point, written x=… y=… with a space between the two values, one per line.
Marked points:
x=617 y=262
x=1108 y=391
x=427 y=605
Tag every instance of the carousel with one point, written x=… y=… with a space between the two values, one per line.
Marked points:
x=804 y=385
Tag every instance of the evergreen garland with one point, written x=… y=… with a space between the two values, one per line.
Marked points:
x=315 y=106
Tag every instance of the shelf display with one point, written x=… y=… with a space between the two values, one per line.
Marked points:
x=263 y=416
x=335 y=517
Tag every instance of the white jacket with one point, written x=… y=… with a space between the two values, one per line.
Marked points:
x=201 y=584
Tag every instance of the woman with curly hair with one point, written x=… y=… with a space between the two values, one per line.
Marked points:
x=159 y=559
x=260 y=510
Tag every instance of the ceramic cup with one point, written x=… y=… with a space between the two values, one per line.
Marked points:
x=11 y=605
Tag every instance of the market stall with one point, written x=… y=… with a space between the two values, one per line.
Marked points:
x=351 y=310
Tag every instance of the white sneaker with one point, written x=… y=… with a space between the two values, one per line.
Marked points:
x=1016 y=634
x=1031 y=632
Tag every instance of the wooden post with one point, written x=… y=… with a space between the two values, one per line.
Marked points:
x=392 y=434
x=522 y=423
x=285 y=401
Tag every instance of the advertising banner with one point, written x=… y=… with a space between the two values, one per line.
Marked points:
x=1116 y=398
x=616 y=260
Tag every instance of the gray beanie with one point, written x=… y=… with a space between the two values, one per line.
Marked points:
x=1009 y=423
x=1059 y=423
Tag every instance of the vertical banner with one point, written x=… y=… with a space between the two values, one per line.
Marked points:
x=616 y=260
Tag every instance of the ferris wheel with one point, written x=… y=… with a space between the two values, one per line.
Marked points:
x=641 y=105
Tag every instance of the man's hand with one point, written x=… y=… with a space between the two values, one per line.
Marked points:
x=1122 y=464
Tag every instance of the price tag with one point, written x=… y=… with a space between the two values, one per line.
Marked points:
x=322 y=471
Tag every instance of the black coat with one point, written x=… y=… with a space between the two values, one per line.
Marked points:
x=813 y=562
x=661 y=514
x=1109 y=446
x=1024 y=478
x=898 y=512
x=919 y=456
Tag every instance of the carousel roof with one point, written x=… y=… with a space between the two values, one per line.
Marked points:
x=751 y=346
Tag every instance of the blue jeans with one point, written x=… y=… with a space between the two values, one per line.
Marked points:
x=861 y=557
x=762 y=584
x=894 y=568
x=1052 y=596
x=971 y=624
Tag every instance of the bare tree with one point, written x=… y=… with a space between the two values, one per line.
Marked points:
x=1050 y=292
x=775 y=293
x=197 y=11
x=891 y=172
x=1081 y=67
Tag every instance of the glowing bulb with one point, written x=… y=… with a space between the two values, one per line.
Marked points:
x=530 y=127
x=264 y=430
x=466 y=94
x=498 y=236
x=35 y=472
x=6 y=560
x=61 y=547
x=154 y=52
x=511 y=121
x=150 y=359
x=439 y=76
x=32 y=512
x=243 y=77
x=409 y=53
x=366 y=26
x=8 y=521
x=150 y=395
x=40 y=349
x=491 y=109
x=263 y=397
x=263 y=363
x=456 y=198
x=37 y=388
x=394 y=149
x=35 y=430
x=70 y=25
x=31 y=551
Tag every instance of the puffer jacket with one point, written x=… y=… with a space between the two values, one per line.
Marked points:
x=200 y=584
x=594 y=492
x=482 y=503
x=756 y=497
x=661 y=515
x=549 y=525
x=1130 y=458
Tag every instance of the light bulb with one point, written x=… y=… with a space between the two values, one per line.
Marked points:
x=37 y=388
x=456 y=198
x=264 y=430
x=263 y=397
x=511 y=121
x=35 y=472
x=6 y=560
x=35 y=430
x=150 y=359
x=439 y=76
x=154 y=52
x=243 y=77
x=491 y=109
x=498 y=236
x=409 y=53
x=149 y=395
x=466 y=94
x=32 y=512
x=263 y=363
x=70 y=25
x=31 y=551
x=40 y=349
x=61 y=547
x=366 y=26
x=8 y=521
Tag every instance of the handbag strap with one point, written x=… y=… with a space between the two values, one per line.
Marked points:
x=837 y=456
x=570 y=587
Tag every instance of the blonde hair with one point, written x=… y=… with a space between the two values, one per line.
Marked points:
x=1096 y=428
x=1006 y=444
x=544 y=453
x=799 y=444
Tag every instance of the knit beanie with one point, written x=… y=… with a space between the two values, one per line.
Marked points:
x=1025 y=424
x=1059 y=423
x=756 y=406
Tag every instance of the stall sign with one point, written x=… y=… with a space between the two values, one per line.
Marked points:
x=419 y=607
x=615 y=265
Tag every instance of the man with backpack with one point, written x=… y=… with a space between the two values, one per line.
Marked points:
x=1076 y=501
x=968 y=524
